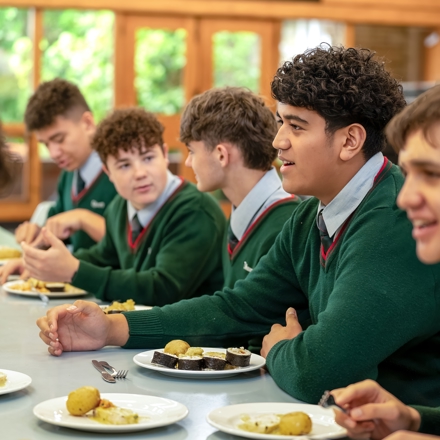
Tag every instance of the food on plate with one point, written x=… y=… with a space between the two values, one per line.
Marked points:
x=118 y=307
x=178 y=354
x=55 y=287
x=176 y=347
x=3 y=379
x=194 y=363
x=86 y=399
x=239 y=357
x=110 y=414
x=8 y=252
x=164 y=359
x=82 y=400
x=294 y=423
x=214 y=360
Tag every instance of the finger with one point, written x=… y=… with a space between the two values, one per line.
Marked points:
x=292 y=319
x=31 y=232
x=50 y=238
x=25 y=275
x=275 y=326
x=385 y=411
x=55 y=351
x=30 y=252
x=366 y=391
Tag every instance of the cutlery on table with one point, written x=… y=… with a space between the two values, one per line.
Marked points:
x=104 y=374
x=117 y=374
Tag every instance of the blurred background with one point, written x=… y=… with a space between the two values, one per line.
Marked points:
x=159 y=54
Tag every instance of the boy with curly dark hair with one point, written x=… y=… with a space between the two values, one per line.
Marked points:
x=346 y=254
x=163 y=237
x=61 y=119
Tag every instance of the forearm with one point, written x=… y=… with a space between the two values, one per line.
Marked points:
x=93 y=224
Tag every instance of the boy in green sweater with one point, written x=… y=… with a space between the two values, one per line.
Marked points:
x=345 y=254
x=61 y=119
x=415 y=135
x=229 y=153
x=163 y=237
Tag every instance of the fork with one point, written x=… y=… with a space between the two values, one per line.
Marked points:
x=327 y=401
x=117 y=374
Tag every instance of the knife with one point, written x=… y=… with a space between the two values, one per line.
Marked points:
x=104 y=374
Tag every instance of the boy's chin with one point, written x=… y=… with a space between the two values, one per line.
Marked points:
x=428 y=254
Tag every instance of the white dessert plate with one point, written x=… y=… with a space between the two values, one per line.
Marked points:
x=153 y=412
x=144 y=360
x=72 y=291
x=228 y=418
x=14 y=381
x=136 y=307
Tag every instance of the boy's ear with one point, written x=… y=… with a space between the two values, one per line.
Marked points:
x=223 y=154
x=106 y=171
x=88 y=120
x=352 y=141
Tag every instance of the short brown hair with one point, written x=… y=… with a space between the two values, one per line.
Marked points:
x=7 y=163
x=126 y=129
x=420 y=115
x=234 y=115
x=52 y=99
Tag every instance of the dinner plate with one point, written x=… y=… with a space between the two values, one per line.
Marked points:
x=228 y=418
x=73 y=291
x=153 y=412
x=144 y=360
x=14 y=381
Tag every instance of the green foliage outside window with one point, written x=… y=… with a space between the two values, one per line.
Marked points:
x=15 y=63
x=160 y=60
x=78 y=46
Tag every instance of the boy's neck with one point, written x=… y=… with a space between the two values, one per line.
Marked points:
x=239 y=183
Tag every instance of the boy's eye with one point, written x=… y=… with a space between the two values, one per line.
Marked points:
x=279 y=122
x=296 y=127
x=432 y=174
x=148 y=158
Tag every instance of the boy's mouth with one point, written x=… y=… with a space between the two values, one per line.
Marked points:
x=423 y=229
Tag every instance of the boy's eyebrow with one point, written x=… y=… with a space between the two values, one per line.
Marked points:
x=422 y=163
x=290 y=117
x=55 y=135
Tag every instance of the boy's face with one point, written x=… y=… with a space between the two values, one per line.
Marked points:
x=68 y=140
x=420 y=195
x=308 y=156
x=139 y=176
x=206 y=166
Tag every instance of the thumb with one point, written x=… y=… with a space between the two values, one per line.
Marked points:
x=292 y=320
x=50 y=238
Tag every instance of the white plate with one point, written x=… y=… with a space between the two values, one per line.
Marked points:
x=3 y=261
x=136 y=307
x=14 y=381
x=72 y=292
x=228 y=418
x=153 y=412
x=144 y=360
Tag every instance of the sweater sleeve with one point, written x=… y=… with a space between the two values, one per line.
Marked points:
x=227 y=318
x=189 y=252
x=370 y=314
x=430 y=419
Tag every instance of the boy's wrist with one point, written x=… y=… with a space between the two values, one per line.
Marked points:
x=74 y=268
x=416 y=419
x=118 y=332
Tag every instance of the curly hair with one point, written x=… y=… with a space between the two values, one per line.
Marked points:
x=422 y=114
x=344 y=86
x=234 y=115
x=52 y=99
x=127 y=129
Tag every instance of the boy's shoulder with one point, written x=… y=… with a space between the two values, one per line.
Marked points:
x=188 y=194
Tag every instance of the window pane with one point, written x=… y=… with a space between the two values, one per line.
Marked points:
x=160 y=59
x=15 y=62
x=237 y=59
x=299 y=35
x=78 y=46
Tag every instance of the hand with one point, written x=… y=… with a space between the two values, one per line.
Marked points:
x=63 y=225
x=55 y=264
x=13 y=267
x=27 y=232
x=405 y=435
x=278 y=332
x=81 y=326
x=373 y=412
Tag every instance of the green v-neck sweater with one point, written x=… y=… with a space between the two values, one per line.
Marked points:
x=95 y=198
x=178 y=255
x=374 y=307
x=257 y=240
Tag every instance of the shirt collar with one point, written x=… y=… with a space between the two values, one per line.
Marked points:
x=244 y=214
x=91 y=168
x=350 y=197
x=146 y=214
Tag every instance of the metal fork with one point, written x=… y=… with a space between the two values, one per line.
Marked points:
x=328 y=401
x=117 y=374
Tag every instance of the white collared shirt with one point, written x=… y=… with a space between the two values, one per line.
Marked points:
x=147 y=214
x=351 y=196
x=267 y=191
x=89 y=171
